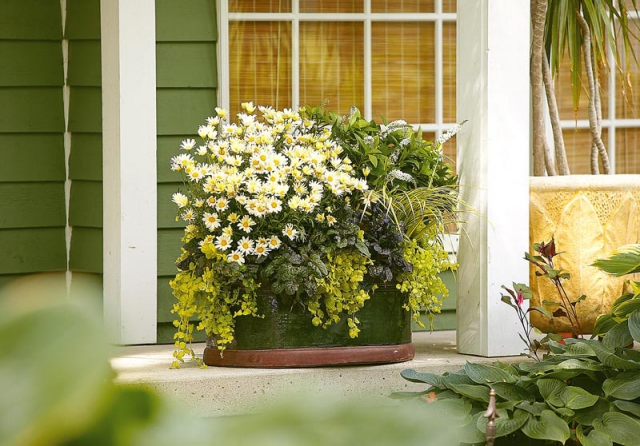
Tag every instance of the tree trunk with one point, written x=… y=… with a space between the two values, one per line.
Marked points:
x=593 y=114
x=558 y=139
x=541 y=153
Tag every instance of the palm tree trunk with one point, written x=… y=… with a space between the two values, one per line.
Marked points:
x=594 y=126
x=558 y=139
x=542 y=160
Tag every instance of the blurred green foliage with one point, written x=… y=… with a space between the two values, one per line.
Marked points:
x=57 y=389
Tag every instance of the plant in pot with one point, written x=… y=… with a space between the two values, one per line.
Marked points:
x=589 y=215
x=306 y=242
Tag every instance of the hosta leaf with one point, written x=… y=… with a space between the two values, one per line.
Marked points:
x=608 y=358
x=618 y=336
x=621 y=428
x=510 y=392
x=579 y=349
x=549 y=427
x=472 y=391
x=551 y=390
x=628 y=406
x=484 y=374
x=595 y=437
x=534 y=409
x=470 y=433
x=604 y=323
x=456 y=378
x=504 y=424
x=624 y=386
x=634 y=325
x=423 y=377
x=590 y=414
x=577 y=398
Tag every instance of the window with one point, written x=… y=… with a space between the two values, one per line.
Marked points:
x=392 y=59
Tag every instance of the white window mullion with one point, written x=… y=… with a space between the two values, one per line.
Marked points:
x=223 y=55
x=295 y=62
x=368 y=88
x=612 y=110
x=439 y=101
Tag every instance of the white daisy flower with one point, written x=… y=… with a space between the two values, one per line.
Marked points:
x=236 y=256
x=246 y=224
x=290 y=231
x=245 y=245
x=188 y=215
x=222 y=204
x=180 y=199
x=188 y=144
x=211 y=221
x=223 y=242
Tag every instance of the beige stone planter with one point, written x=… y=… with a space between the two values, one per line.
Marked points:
x=590 y=216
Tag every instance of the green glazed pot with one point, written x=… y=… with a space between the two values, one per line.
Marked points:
x=285 y=337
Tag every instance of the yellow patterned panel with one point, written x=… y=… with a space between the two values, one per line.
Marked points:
x=588 y=224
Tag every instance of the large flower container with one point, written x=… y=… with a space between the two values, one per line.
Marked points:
x=285 y=337
x=590 y=216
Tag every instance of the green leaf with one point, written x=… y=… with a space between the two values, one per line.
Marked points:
x=634 y=325
x=618 y=336
x=577 y=398
x=622 y=261
x=589 y=415
x=579 y=349
x=534 y=409
x=452 y=410
x=608 y=358
x=551 y=390
x=624 y=309
x=483 y=374
x=510 y=391
x=624 y=386
x=621 y=428
x=472 y=391
x=628 y=406
x=595 y=437
x=604 y=323
x=504 y=424
x=470 y=433
x=549 y=427
x=423 y=377
x=456 y=378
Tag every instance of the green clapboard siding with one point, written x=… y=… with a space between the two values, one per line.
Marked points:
x=168 y=147
x=85 y=205
x=87 y=286
x=85 y=159
x=32 y=250
x=31 y=157
x=84 y=64
x=30 y=63
x=165 y=300
x=181 y=111
x=86 y=250
x=186 y=21
x=31 y=205
x=85 y=109
x=186 y=64
x=167 y=210
x=83 y=20
x=169 y=245
x=30 y=20
x=25 y=110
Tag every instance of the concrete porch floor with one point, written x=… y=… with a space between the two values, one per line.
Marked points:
x=220 y=391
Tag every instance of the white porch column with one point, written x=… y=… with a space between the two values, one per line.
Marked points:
x=493 y=159
x=129 y=169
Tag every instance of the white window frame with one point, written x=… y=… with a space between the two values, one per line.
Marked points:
x=367 y=17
